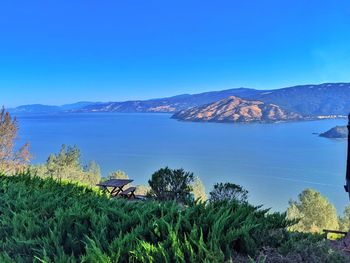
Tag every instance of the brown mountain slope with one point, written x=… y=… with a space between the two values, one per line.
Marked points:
x=234 y=109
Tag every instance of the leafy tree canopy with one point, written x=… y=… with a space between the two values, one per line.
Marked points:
x=66 y=165
x=11 y=161
x=198 y=189
x=118 y=175
x=344 y=221
x=314 y=211
x=228 y=192
x=171 y=184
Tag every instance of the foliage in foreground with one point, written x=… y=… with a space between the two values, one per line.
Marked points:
x=52 y=222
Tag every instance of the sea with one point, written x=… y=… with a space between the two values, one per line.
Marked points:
x=274 y=162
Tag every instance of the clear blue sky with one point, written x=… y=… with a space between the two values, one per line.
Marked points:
x=54 y=52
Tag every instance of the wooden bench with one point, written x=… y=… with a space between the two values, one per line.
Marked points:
x=327 y=231
x=129 y=193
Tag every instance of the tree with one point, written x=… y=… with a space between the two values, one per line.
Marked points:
x=314 y=212
x=344 y=221
x=93 y=173
x=228 y=192
x=198 y=189
x=118 y=175
x=66 y=165
x=168 y=184
x=11 y=161
x=142 y=189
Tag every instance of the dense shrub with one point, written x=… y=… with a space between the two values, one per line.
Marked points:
x=171 y=184
x=53 y=222
x=228 y=191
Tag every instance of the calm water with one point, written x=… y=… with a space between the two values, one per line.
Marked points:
x=274 y=162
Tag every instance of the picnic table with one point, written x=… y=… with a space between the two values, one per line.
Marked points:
x=117 y=186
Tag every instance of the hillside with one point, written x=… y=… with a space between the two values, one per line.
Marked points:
x=338 y=132
x=234 y=109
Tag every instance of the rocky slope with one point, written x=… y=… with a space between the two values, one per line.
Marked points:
x=338 y=132
x=234 y=109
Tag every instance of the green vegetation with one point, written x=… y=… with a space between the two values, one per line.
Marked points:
x=54 y=222
x=168 y=184
x=229 y=192
x=66 y=165
x=344 y=221
x=118 y=175
x=314 y=212
x=198 y=189
x=11 y=161
x=47 y=221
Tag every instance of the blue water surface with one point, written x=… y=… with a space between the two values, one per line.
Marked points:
x=275 y=162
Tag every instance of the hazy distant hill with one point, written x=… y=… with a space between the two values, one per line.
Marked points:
x=337 y=132
x=171 y=104
x=46 y=109
x=76 y=106
x=35 y=108
x=234 y=109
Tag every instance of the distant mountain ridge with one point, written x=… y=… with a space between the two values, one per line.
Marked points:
x=45 y=109
x=310 y=101
x=328 y=99
x=170 y=104
x=234 y=109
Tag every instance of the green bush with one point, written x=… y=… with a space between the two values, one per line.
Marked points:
x=44 y=220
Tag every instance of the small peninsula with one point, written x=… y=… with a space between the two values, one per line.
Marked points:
x=235 y=109
x=338 y=132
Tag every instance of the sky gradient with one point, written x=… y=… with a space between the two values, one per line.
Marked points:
x=56 y=52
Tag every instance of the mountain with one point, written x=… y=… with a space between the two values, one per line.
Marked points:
x=234 y=109
x=171 y=104
x=35 y=109
x=77 y=105
x=47 y=109
x=311 y=100
x=338 y=132
x=323 y=100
